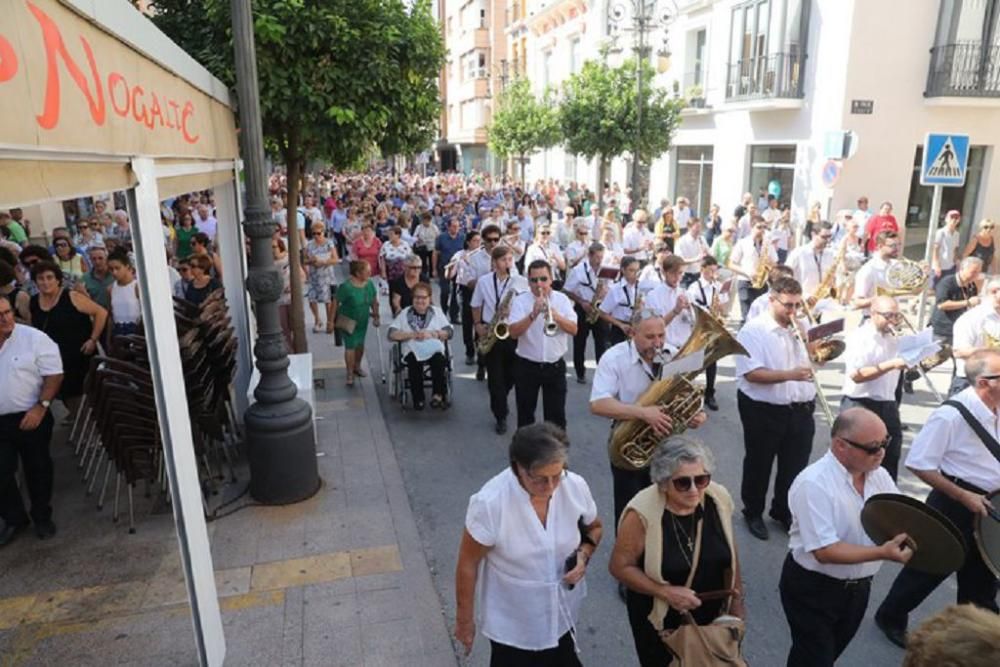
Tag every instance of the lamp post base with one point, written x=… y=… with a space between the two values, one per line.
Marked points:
x=281 y=451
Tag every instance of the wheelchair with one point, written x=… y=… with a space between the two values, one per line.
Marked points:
x=399 y=384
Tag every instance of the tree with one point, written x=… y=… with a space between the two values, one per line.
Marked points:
x=523 y=123
x=598 y=115
x=337 y=77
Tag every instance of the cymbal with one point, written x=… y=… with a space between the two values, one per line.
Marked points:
x=939 y=547
x=987 y=531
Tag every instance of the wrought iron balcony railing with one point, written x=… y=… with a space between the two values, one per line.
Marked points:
x=968 y=69
x=776 y=75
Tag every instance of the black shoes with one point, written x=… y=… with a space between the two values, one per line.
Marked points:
x=469 y=360
x=710 y=403
x=894 y=633
x=8 y=534
x=581 y=380
x=45 y=530
x=501 y=426
x=480 y=373
x=756 y=526
x=784 y=523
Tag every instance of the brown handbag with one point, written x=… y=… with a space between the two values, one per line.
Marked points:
x=718 y=643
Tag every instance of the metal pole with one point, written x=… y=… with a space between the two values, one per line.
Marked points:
x=281 y=446
x=931 y=231
x=640 y=52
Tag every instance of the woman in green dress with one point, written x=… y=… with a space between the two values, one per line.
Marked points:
x=183 y=234
x=355 y=299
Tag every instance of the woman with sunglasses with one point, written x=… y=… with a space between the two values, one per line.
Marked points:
x=321 y=256
x=981 y=246
x=675 y=540
x=544 y=248
x=88 y=234
x=68 y=259
x=530 y=533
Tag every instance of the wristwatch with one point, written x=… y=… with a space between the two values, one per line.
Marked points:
x=45 y=404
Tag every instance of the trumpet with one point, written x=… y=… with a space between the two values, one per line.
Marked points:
x=551 y=328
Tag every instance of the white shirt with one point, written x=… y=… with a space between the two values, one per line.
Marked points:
x=634 y=239
x=758 y=306
x=746 y=256
x=870 y=276
x=945 y=243
x=867 y=347
x=478 y=264
x=650 y=278
x=208 y=226
x=491 y=290
x=947 y=443
x=619 y=302
x=533 y=344
x=26 y=358
x=422 y=349
x=703 y=292
x=809 y=266
x=662 y=300
x=521 y=599
x=622 y=374
x=771 y=215
x=582 y=281
x=549 y=252
x=826 y=509
x=576 y=252
x=970 y=330
x=682 y=216
x=691 y=248
x=772 y=346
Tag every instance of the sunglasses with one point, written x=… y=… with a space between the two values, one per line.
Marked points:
x=683 y=484
x=538 y=279
x=870 y=450
x=546 y=233
x=492 y=239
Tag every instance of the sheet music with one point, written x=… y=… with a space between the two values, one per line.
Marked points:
x=914 y=347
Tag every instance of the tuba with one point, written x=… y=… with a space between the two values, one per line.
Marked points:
x=904 y=277
x=633 y=442
x=498 y=329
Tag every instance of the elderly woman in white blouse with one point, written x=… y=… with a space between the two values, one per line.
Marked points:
x=422 y=329
x=531 y=531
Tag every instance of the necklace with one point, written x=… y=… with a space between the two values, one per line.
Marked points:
x=688 y=539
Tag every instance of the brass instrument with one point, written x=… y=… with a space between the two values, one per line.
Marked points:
x=594 y=314
x=551 y=328
x=633 y=441
x=764 y=266
x=824 y=404
x=904 y=277
x=827 y=349
x=498 y=329
x=827 y=280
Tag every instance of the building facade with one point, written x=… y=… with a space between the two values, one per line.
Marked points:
x=769 y=80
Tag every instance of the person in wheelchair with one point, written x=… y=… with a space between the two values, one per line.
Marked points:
x=422 y=330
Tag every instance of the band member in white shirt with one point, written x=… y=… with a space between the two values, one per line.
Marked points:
x=872 y=275
x=623 y=375
x=586 y=290
x=691 y=247
x=618 y=306
x=871 y=373
x=763 y=302
x=544 y=248
x=651 y=275
x=745 y=259
x=577 y=250
x=707 y=292
x=951 y=455
x=637 y=240
x=811 y=261
x=540 y=363
x=945 y=251
x=488 y=297
x=671 y=301
x=974 y=330
x=776 y=399
x=827 y=575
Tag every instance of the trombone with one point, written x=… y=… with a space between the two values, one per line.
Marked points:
x=824 y=404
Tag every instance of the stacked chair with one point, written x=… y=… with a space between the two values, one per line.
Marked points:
x=117 y=431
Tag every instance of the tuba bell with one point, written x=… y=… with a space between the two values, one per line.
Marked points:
x=633 y=441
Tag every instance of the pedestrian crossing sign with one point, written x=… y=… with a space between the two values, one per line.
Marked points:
x=946 y=158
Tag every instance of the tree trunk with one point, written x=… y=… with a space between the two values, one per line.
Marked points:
x=601 y=172
x=523 y=166
x=293 y=165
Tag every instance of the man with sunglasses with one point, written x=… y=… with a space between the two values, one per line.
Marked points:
x=810 y=262
x=871 y=373
x=540 y=363
x=776 y=399
x=826 y=578
x=952 y=454
x=480 y=264
x=954 y=295
x=976 y=329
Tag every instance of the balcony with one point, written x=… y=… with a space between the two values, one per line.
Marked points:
x=969 y=70
x=776 y=76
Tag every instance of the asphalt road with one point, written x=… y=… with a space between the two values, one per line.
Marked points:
x=446 y=457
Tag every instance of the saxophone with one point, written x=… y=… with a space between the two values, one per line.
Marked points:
x=764 y=267
x=498 y=329
x=594 y=314
x=825 y=287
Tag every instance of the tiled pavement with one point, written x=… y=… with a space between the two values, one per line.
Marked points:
x=340 y=579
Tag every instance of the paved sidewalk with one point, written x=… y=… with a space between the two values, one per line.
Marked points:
x=340 y=579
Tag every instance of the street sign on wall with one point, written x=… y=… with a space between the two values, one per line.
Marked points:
x=831 y=173
x=946 y=160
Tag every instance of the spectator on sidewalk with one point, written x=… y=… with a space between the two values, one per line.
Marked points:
x=356 y=299
x=17 y=233
x=445 y=247
x=96 y=282
x=885 y=221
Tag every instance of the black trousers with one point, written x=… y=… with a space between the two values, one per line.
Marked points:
x=627 y=483
x=823 y=613
x=888 y=411
x=468 y=331
x=710 y=372
x=747 y=296
x=341 y=241
x=500 y=364
x=33 y=449
x=551 y=380
x=976 y=584
x=425 y=257
x=439 y=377
x=449 y=296
x=616 y=335
x=584 y=329
x=561 y=655
x=773 y=431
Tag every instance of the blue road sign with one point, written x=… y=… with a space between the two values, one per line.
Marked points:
x=831 y=173
x=946 y=159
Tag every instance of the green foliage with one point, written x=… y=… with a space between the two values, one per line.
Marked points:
x=522 y=122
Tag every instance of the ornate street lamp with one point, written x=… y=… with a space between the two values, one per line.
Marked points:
x=641 y=18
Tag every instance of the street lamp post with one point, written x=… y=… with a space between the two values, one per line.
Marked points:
x=281 y=447
x=640 y=17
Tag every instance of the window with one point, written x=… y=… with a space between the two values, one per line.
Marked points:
x=767 y=49
x=965 y=60
x=449 y=25
x=693 y=177
x=769 y=164
x=570 y=167
x=574 y=55
x=696 y=53
x=546 y=66
x=474 y=65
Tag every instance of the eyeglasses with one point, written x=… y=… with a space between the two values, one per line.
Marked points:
x=413 y=268
x=83 y=226
x=543 y=480
x=61 y=243
x=538 y=279
x=826 y=237
x=871 y=450
x=546 y=233
x=492 y=239
x=889 y=315
x=989 y=377
x=788 y=305
x=683 y=484
x=988 y=226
